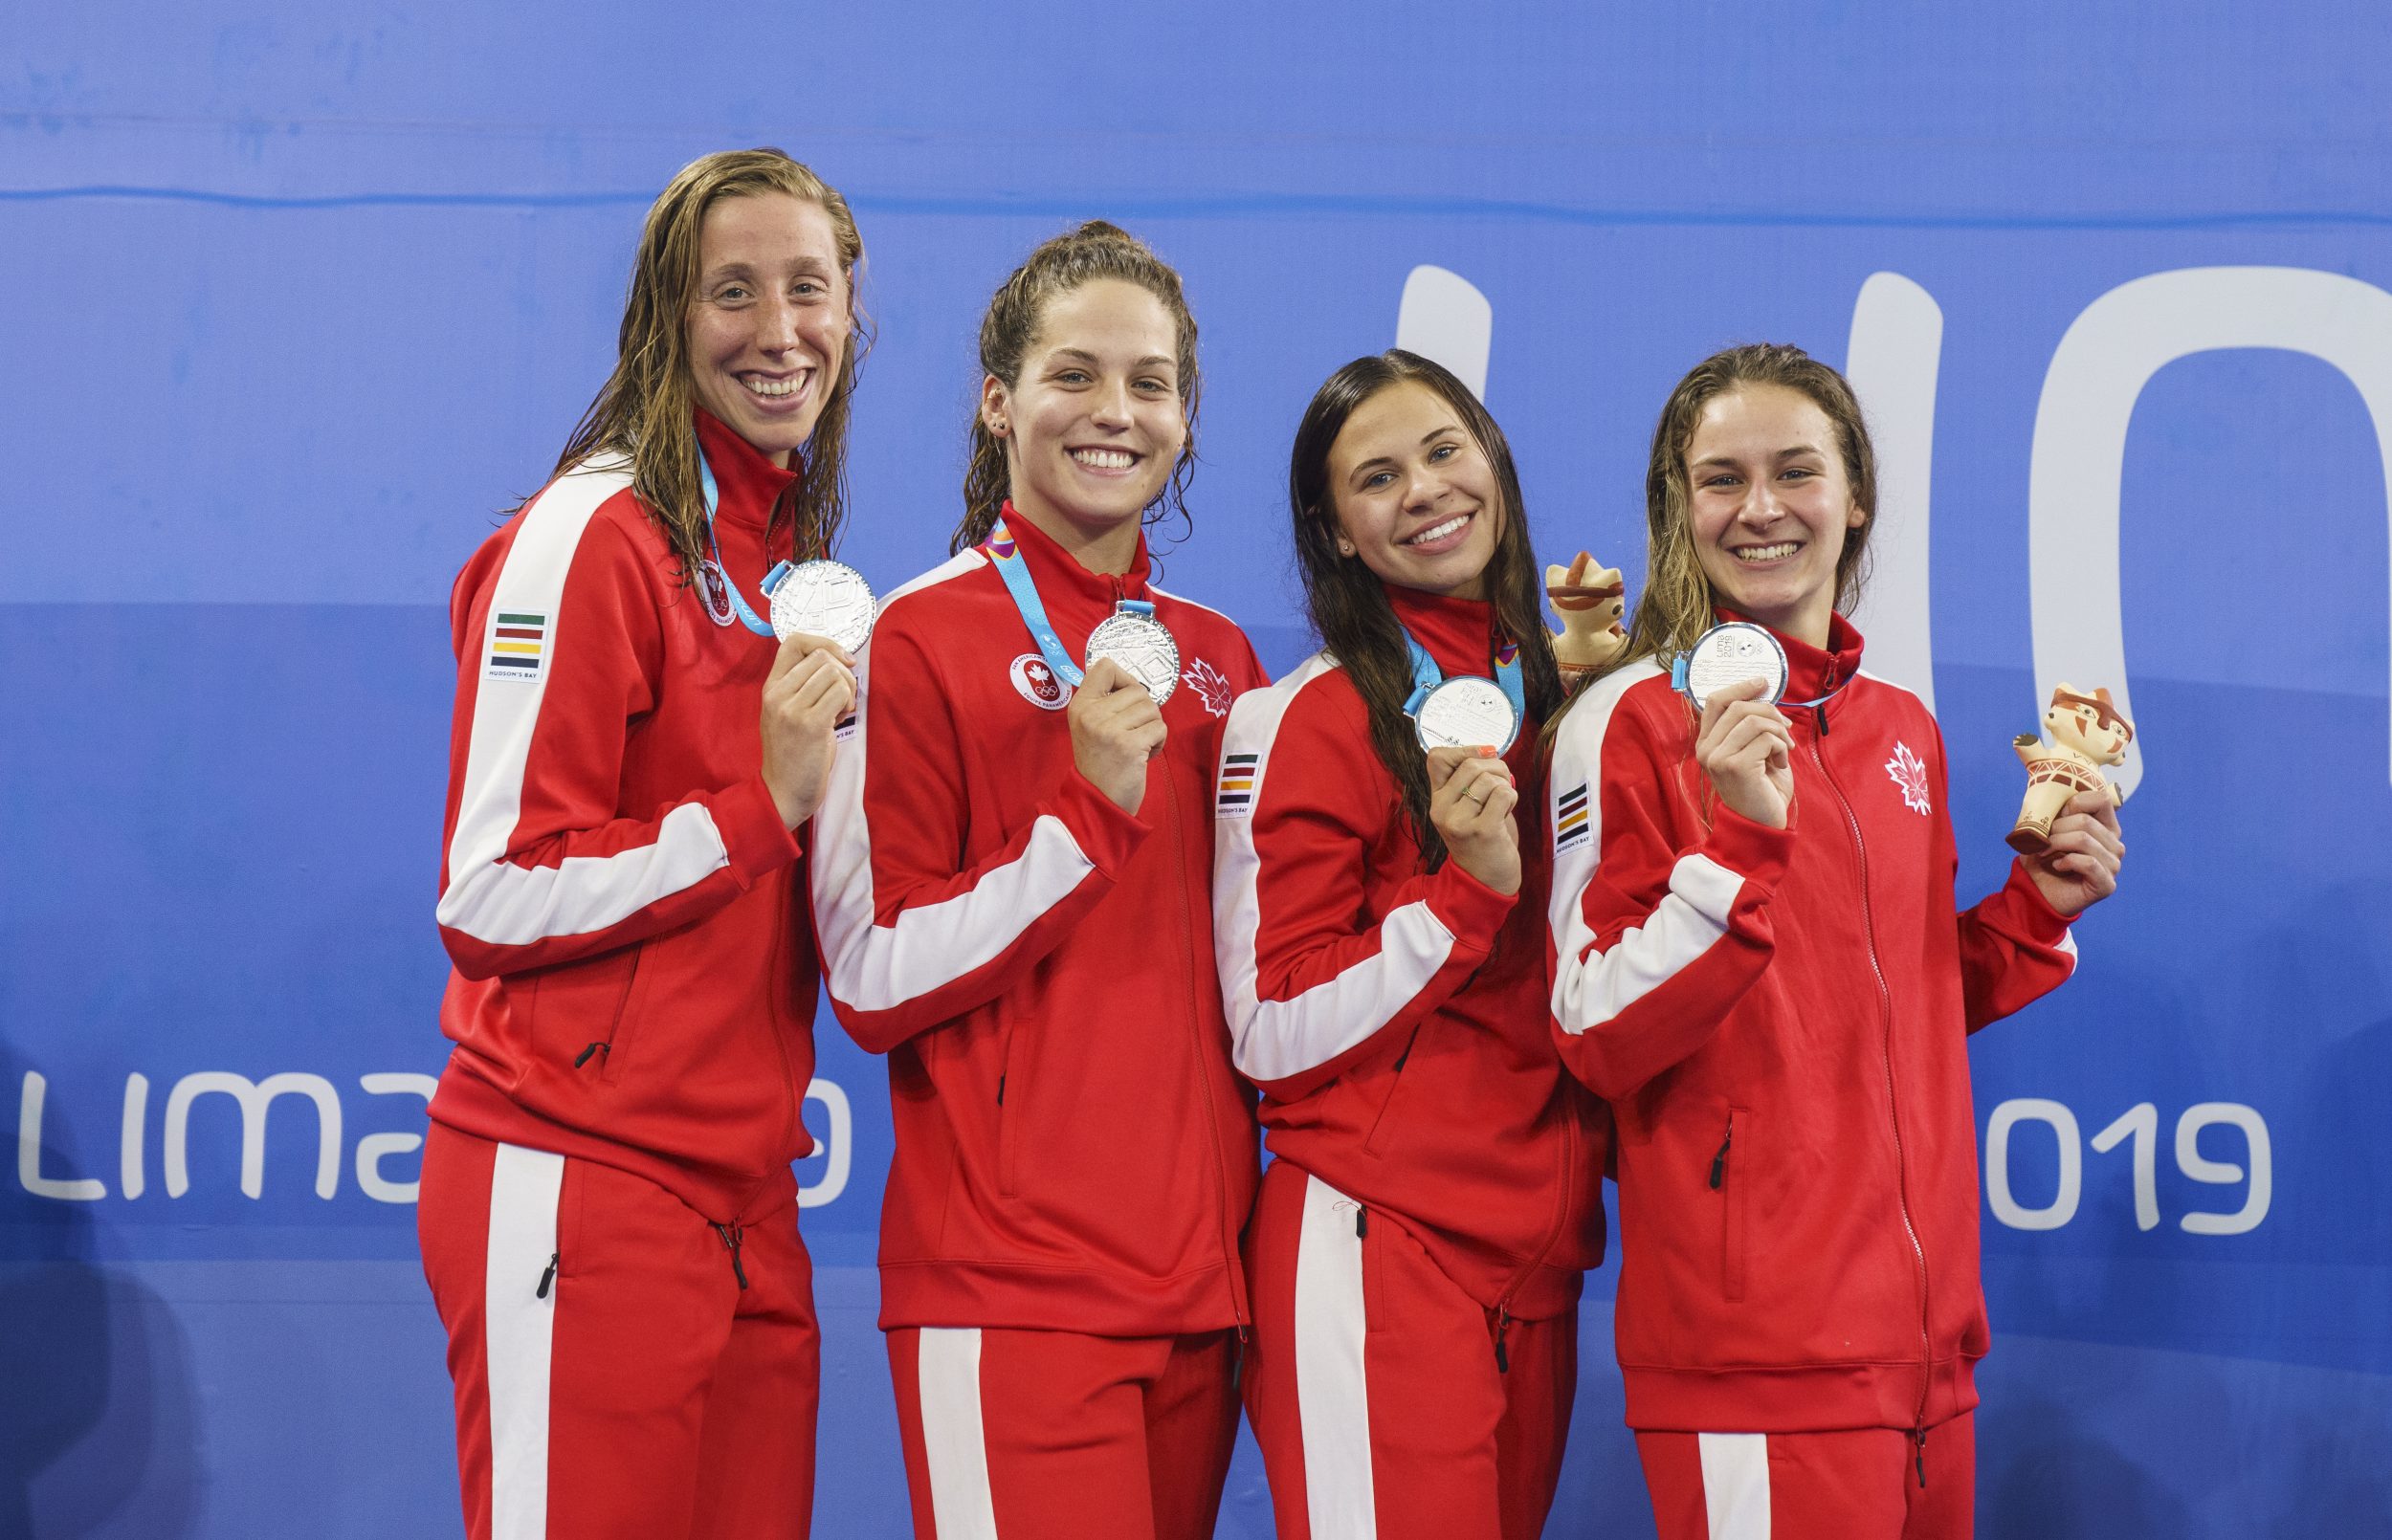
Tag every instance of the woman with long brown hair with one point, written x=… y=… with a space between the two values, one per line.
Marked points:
x=1759 y=963
x=1009 y=887
x=607 y=1217
x=1416 y=1255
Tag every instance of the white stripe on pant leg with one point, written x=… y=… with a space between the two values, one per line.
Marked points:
x=954 y=1443
x=1332 y=1396
x=518 y=1332
x=1736 y=1484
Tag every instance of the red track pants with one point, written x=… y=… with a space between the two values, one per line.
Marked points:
x=1374 y=1388
x=614 y=1379
x=1044 y=1435
x=1862 y=1484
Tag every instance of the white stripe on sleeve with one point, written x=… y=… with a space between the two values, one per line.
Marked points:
x=874 y=967
x=1590 y=988
x=1271 y=1039
x=488 y=897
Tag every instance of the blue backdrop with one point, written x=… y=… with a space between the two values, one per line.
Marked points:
x=293 y=300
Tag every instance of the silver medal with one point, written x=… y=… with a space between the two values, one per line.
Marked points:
x=824 y=599
x=1730 y=654
x=1467 y=713
x=1141 y=644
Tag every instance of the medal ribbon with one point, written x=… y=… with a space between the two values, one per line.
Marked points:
x=1428 y=676
x=1007 y=559
x=714 y=546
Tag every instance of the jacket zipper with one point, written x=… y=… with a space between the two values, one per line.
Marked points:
x=1203 y=1082
x=1894 y=1112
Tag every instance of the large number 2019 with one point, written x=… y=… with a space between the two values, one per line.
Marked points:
x=2139 y=1124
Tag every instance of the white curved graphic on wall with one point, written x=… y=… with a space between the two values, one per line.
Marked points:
x=2110 y=353
x=1894 y=358
x=1444 y=316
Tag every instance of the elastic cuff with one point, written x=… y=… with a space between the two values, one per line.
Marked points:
x=1467 y=907
x=2036 y=919
x=753 y=836
x=1106 y=835
x=1752 y=851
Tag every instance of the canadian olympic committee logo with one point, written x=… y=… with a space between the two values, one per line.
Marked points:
x=1038 y=684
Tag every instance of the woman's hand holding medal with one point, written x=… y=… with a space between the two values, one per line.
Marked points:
x=811 y=685
x=1470 y=797
x=1116 y=728
x=1746 y=747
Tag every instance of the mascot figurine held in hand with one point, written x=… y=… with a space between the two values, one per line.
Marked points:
x=2081 y=734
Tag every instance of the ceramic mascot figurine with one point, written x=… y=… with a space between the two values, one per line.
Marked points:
x=2081 y=734
x=1588 y=599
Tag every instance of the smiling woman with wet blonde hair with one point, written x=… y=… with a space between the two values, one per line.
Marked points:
x=607 y=1217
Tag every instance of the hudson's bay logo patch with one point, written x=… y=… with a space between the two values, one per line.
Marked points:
x=1241 y=776
x=517 y=644
x=1569 y=818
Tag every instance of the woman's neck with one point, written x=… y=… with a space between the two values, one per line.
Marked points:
x=1108 y=549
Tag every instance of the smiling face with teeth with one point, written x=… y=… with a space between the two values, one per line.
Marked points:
x=1771 y=505
x=1093 y=423
x=769 y=326
x=1413 y=495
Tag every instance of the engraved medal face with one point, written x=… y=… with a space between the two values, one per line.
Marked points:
x=824 y=599
x=1142 y=646
x=1730 y=654
x=1467 y=713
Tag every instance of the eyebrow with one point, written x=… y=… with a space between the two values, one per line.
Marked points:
x=1787 y=453
x=1086 y=356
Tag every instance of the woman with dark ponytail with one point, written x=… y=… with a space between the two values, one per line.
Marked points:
x=1010 y=881
x=1416 y=1254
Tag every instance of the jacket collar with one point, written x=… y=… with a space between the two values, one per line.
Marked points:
x=1814 y=673
x=1459 y=633
x=1058 y=573
x=750 y=484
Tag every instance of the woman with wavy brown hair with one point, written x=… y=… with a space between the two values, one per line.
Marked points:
x=1009 y=887
x=607 y=1217
x=1416 y=1254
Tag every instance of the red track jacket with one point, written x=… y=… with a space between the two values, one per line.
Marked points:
x=633 y=983
x=1074 y=1150
x=1396 y=1021
x=1780 y=1021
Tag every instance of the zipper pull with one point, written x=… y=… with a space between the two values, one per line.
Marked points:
x=1719 y=1162
x=1920 y=1434
x=731 y=1236
x=549 y=1278
x=581 y=1058
x=1819 y=715
x=999 y=1091
x=1503 y=1323
x=1362 y=1223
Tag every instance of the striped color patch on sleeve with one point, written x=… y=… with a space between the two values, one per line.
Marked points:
x=1569 y=818
x=1240 y=774
x=517 y=646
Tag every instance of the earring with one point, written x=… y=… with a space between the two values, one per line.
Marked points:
x=1345 y=547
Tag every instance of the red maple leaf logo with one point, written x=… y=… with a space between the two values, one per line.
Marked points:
x=1211 y=686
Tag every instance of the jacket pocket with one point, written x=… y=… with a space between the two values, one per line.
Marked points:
x=1732 y=1174
x=1382 y=1123
x=622 y=1027
x=1008 y=1126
